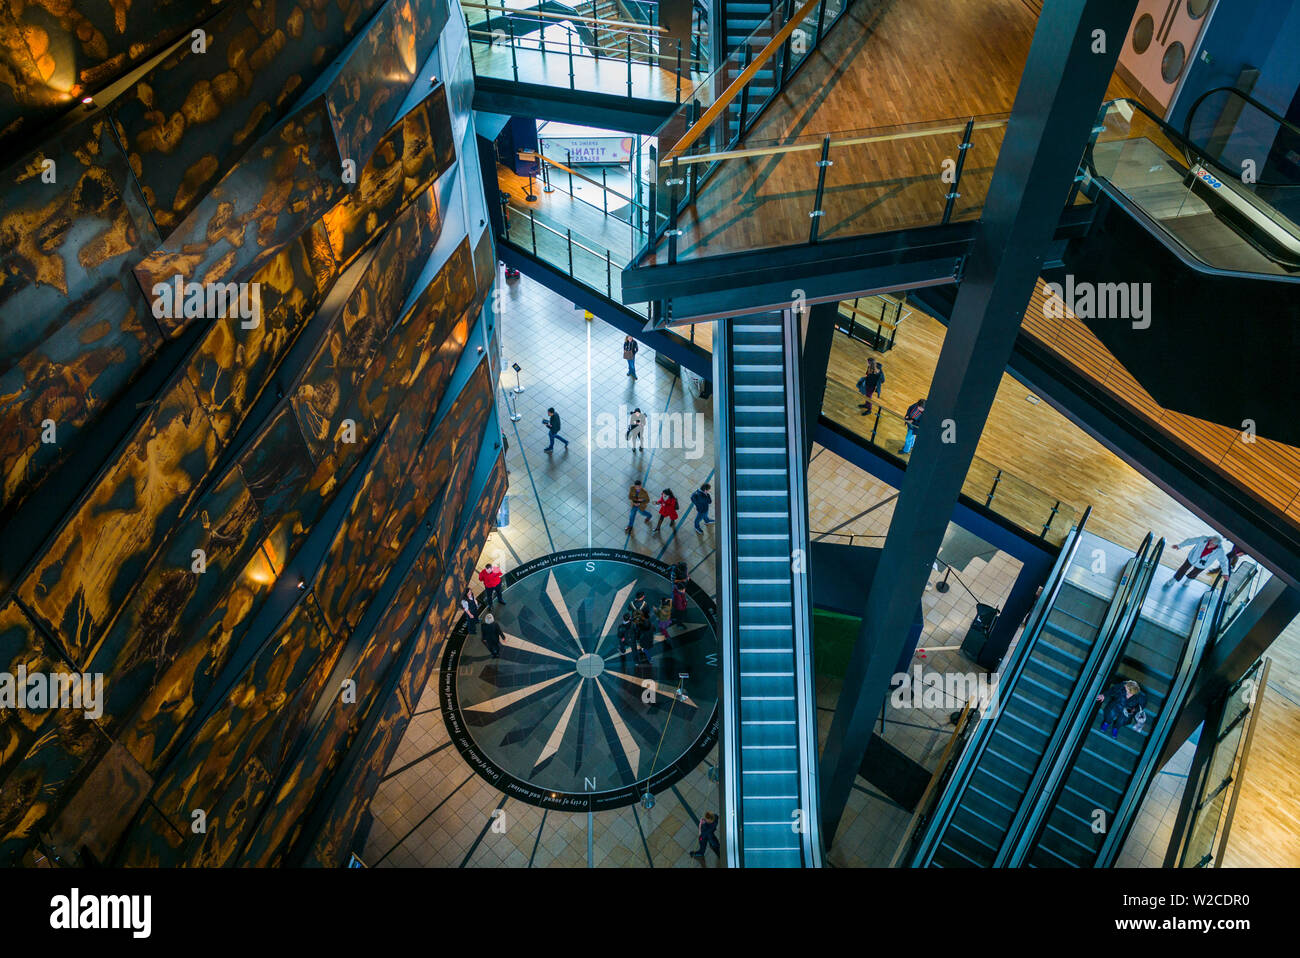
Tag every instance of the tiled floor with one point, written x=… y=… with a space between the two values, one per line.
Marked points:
x=431 y=810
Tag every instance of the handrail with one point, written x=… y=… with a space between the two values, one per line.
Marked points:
x=931 y=787
x=728 y=575
x=1281 y=120
x=1050 y=774
x=512 y=14
x=733 y=89
x=970 y=755
x=822 y=141
x=1202 y=636
x=539 y=157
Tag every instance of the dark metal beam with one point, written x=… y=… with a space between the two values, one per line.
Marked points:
x=1247 y=638
x=1061 y=88
x=605 y=110
x=819 y=333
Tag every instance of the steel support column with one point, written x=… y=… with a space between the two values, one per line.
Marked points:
x=818 y=333
x=1070 y=63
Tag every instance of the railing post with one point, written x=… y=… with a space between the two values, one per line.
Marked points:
x=961 y=161
x=568 y=156
x=568 y=235
x=694 y=186
x=821 y=14
x=652 y=228
x=514 y=55
x=744 y=100
x=876 y=423
x=783 y=67
x=629 y=65
x=541 y=34
x=532 y=227
x=1056 y=508
x=817 y=210
x=996 y=479
x=546 y=172
x=604 y=193
x=679 y=72
x=569 y=34
x=473 y=67
x=675 y=182
x=609 y=286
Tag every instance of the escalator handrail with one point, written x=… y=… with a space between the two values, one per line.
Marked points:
x=801 y=599
x=1202 y=636
x=1272 y=115
x=1062 y=747
x=967 y=759
x=729 y=744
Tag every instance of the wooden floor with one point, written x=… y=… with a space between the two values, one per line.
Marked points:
x=864 y=78
x=1045 y=456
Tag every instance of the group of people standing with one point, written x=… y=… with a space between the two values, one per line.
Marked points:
x=667 y=505
x=477 y=609
x=870 y=386
x=641 y=623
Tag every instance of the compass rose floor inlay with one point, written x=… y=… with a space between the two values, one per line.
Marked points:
x=564 y=719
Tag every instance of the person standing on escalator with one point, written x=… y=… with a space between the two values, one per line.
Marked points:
x=1124 y=704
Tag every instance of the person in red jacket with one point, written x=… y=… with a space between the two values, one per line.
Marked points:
x=491 y=579
x=667 y=504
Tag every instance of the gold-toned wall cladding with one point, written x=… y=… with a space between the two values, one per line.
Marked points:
x=53 y=54
x=190 y=119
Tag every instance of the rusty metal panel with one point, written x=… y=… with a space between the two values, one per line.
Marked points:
x=74 y=331
x=154 y=731
x=51 y=54
x=21 y=646
x=176 y=593
x=188 y=122
x=287 y=180
x=102 y=807
x=96 y=558
x=329 y=849
x=202 y=772
x=404 y=164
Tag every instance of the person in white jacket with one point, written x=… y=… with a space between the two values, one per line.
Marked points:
x=1202 y=552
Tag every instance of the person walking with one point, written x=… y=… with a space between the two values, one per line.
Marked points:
x=870 y=384
x=639 y=498
x=492 y=634
x=490 y=576
x=667 y=504
x=701 y=500
x=913 y=417
x=469 y=605
x=636 y=430
x=1202 y=552
x=630 y=347
x=708 y=835
x=1124 y=704
x=552 y=424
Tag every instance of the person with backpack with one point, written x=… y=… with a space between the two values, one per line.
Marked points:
x=630 y=347
x=552 y=424
x=645 y=636
x=667 y=504
x=701 y=500
x=870 y=384
x=639 y=498
x=626 y=634
x=913 y=417
x=664 y=617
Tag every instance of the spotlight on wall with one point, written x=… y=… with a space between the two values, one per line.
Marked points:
x=88 y=101
x=302 y=583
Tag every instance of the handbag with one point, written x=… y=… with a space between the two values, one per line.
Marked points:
x=862 y=385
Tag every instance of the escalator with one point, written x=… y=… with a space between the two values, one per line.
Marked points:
x=769 y=728
x=1083 y=822
x=740 y=19
x=994 y=783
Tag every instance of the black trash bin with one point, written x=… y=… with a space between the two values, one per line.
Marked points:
x=973 y=645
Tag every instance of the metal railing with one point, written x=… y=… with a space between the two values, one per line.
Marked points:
x=576 y=39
